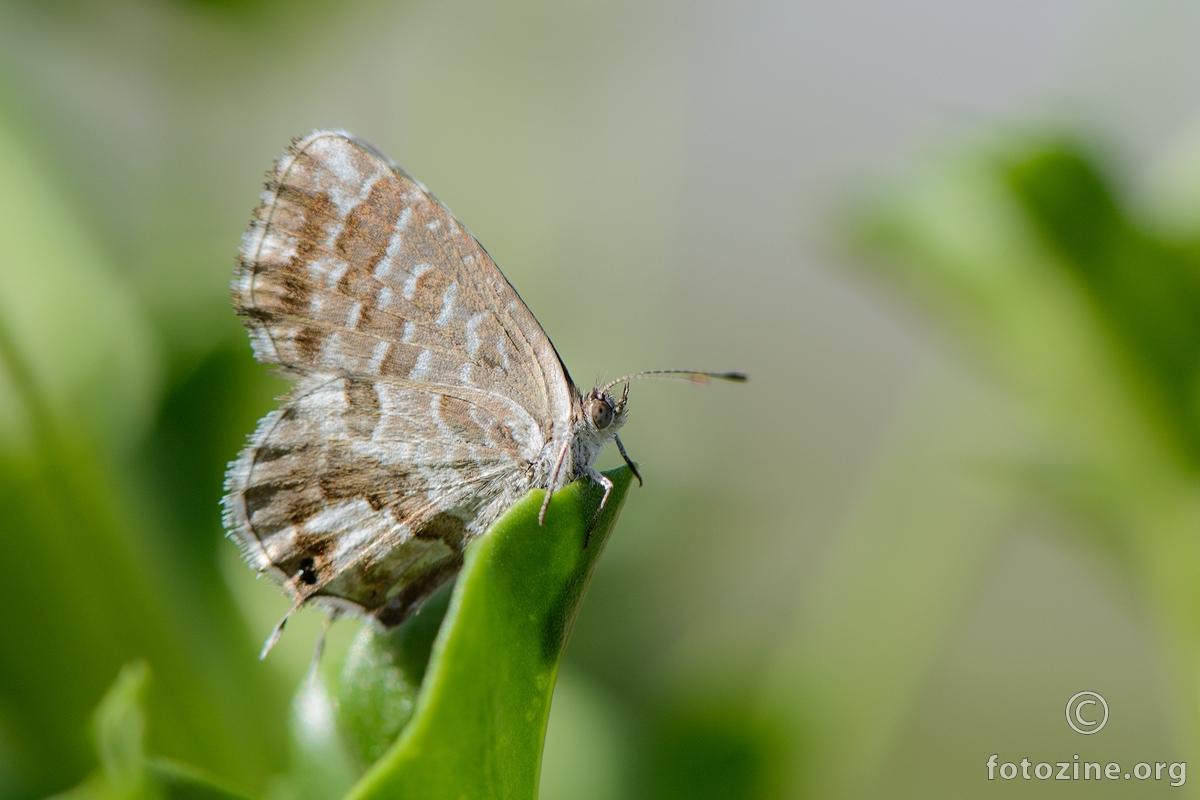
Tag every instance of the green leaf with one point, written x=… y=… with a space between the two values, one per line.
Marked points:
x=382 y=676
x=183 y=782
x=1145 y=290
x=480 y=718
x=322 y=765
x=126 y=772
x=119 y=732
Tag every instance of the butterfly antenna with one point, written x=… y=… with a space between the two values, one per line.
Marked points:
x=691 y=376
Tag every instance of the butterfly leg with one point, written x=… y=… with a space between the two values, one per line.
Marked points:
x=319 y=646
x=277 y=631
x=558 y=464
x=628 y=460
x=608 y=487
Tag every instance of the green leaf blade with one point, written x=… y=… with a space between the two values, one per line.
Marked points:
x=480 y=720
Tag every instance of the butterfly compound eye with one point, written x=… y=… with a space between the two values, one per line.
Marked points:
x=600 y=412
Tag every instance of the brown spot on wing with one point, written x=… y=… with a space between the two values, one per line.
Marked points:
x=368 y=227
x=399 y=361
x=320 y=216
x=296 y=291
x=308 y=342
x=446 y=528
x=503 y=436
x=345 y=476
x=431 y=285
x=455 y=414
x=317 y=546
x=302 y=506
x=256 y=314
x=357 y=283
x=260 y=495
x=363 y=408
x=268 y=453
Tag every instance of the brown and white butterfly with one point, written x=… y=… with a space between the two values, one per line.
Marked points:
x=427 y=398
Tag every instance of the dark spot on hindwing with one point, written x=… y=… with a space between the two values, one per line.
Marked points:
x=307 y=572
x=317 y=546
x=255 y=313
x=268 y=453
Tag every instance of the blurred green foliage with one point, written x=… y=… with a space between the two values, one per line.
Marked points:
x=1035 y=260
x=474 y=728
x=126 y=772
x=98 y=574
x=1145 y=290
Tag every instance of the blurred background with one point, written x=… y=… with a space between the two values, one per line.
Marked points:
x=956 y=246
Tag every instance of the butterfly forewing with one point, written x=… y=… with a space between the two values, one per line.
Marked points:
x=426 y=392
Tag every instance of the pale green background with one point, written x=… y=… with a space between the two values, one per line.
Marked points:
x=661 y=182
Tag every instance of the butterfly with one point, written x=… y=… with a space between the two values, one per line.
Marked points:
x=427 y=399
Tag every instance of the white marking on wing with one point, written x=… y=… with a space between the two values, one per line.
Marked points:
x=410 y=285
x=447 y=312
x=343 y=197
x=420 y=370
x=352 y=317
x=341 y=181
x=365 y=189
x=395 y=245
x=409 y=327
x=335 y=158
x=435 y=411
x=353 y=522
x=378 y=355
x=335 y=272
x=279 y=545
x=384 y=299
x=502 y=349
x=473 y=337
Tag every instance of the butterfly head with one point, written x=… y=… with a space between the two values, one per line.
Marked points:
x=604 y=413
